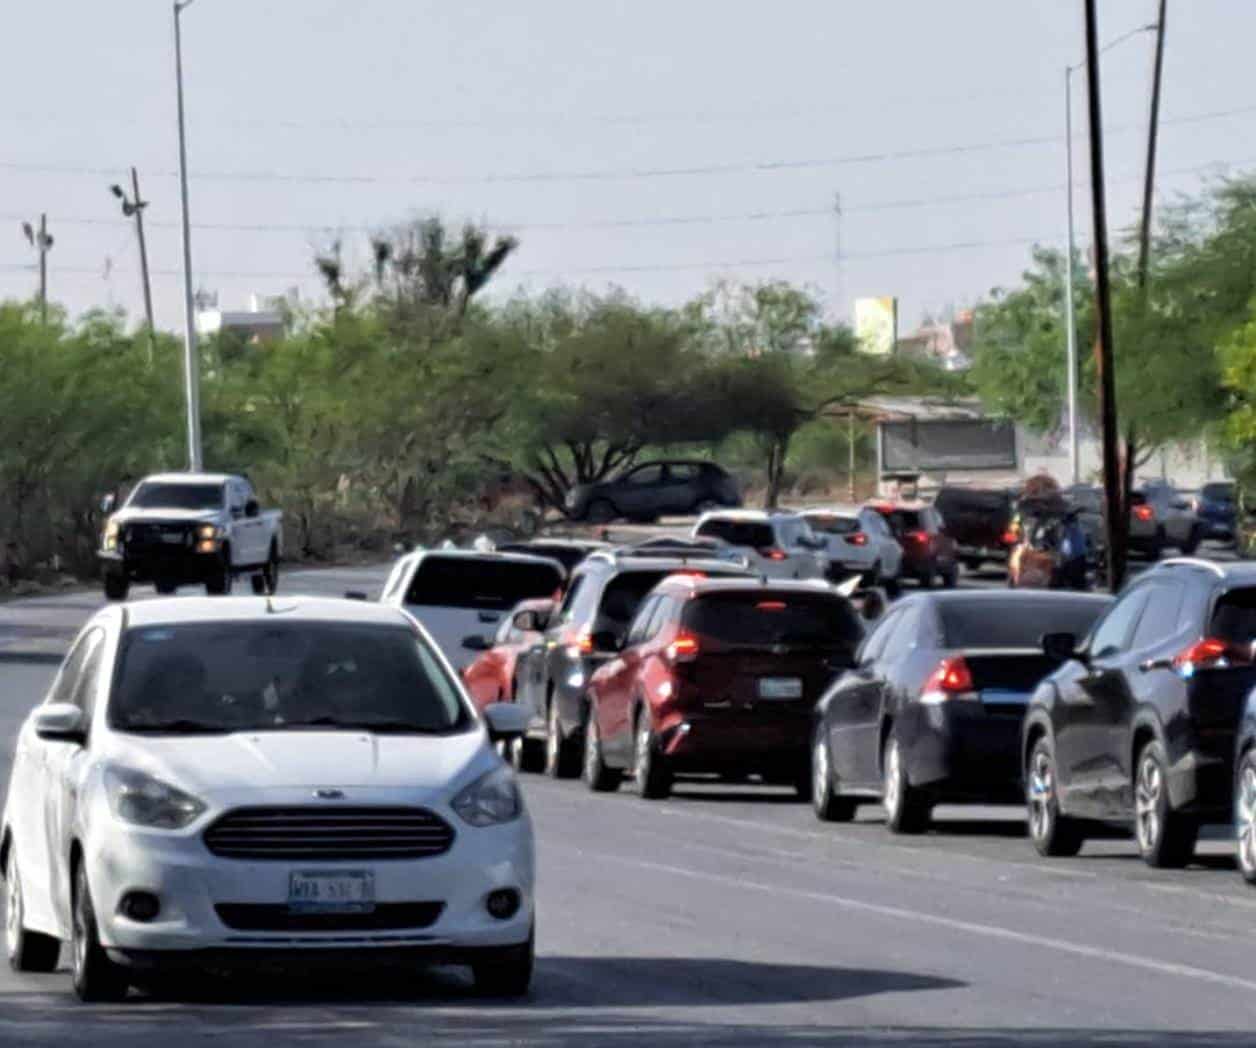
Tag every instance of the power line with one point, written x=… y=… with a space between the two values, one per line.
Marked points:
x=599 y=175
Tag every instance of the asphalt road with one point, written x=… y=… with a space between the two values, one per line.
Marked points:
x=728 y=915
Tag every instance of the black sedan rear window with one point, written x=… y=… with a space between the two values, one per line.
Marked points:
x=739 y=533
x=494 y=584
x=767 y=618
x=1015 y=623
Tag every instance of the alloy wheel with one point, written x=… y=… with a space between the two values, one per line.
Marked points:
x=891 y=792
x=592 y=754
x=819 y=769
x=1041 y=796
x=552 y=740
x=641 y=766
x=12 y=909
x=78 y=933
x=1245 y=821
x=1147 y=795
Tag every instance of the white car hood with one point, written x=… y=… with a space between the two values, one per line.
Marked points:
x=208 y=764
x=125 y=516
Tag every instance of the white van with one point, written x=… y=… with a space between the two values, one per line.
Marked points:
x=458 y=594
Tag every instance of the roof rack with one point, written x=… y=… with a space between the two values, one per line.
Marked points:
x=1194 y=562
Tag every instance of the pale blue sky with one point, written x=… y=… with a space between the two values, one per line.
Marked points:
x=386 y=108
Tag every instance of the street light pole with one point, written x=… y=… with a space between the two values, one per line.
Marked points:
x=191 y=357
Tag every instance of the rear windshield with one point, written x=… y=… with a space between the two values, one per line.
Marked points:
x=902 y=520
x=1218 y=492
x=623 y=596
x=277 y=676
x=830 y=524
x=767 y=618
x=177 y=496
x=739 y=532
x=1014 y=623
x=958 y=499
x=486 y=582
x=1234 y=619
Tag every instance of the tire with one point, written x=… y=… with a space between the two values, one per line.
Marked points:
x=1155 y=549
x=116 y=586
x=28 y=951
x=973 y=564
x=828 y=804
x=165 y=587
x=705 y=506
x=1166 y=838
x=259 y=585
x=950 y=577
x=649 y=772
x=96 y=978
x=527 y=755
x=925 y=579
x=1245 y=815
x=270 y=573
x=893 y=587
x=220 y=584
x=1054 y=836
x=562 y=759
x=906 y=809
x=601 y=511
x=507 y=972
x=1192 y=542
x=596 y=775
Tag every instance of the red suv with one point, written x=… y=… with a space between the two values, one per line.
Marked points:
x=717 y=676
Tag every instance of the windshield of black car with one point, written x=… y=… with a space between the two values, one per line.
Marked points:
x=765 y=618
x=177 y=496
x=987 y=623
x=749 y=534
x=488 y=583
x=275 y=676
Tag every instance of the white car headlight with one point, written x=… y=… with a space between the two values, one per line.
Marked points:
x=138 y=798
x=491 y=799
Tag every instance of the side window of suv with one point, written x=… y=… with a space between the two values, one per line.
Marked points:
x=640 y=628
x=1112 y=635
x=874 y=646
x=569 y=600
x=682 y=473
x=1160 y=621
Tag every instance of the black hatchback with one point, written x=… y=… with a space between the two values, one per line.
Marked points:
x=653 y=489
x=932 y=711
x=1138 y=727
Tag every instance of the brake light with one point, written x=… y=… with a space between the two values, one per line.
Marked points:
x=951 y=679
x=920 y=538
x=690 y=574
x=857 y=538
x=770 y=605
x=772 y=554
x=1144 y=513
x=1207 y=654
x=684 y=648
x=1010 y=538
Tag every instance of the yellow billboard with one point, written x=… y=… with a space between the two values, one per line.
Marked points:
x=876 y=325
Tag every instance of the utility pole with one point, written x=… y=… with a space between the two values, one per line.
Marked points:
x=41 y=242
x=1070 y=316
x=191 y=357
x=133 y=207
x=1103 y=306
x=1149 y=175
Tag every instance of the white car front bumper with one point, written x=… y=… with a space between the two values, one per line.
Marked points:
x=209 y=903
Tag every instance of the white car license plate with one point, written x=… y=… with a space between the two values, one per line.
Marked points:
x=780 y=688
x=327 y=891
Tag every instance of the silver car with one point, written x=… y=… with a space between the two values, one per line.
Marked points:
x=1161 y=516
x=857 y=541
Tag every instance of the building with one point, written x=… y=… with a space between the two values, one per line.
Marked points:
x=266 y=319
x=946 y=343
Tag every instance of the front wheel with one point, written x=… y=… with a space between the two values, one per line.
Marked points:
x=219 y=582
x=1192 y=542
x=28 y=951
x=1245 y=815
x=96 y=978
x=1053 y=835
x=562 y=761
x=1166 y=838
x=506 y=972
x=597 y=776
x=950 y=577
x=117 y=586
x=828 y=804
x=906 y=809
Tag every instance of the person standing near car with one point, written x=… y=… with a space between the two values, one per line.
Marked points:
x=1073 y=553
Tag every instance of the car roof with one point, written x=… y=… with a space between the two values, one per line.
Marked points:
x=757 y=516
x=1242 y=572
x=191 y=478
x=994 y=596
x=744 y=584
x=174 y=611
x=490 y=555
x=833 y=511
x=616 y=564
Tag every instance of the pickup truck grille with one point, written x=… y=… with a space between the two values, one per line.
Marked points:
x=329 y=833
x=172 y=537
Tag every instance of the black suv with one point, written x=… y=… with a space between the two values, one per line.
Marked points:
x=979 y=520
x=1138 y=726
x=653 y=489
x=588 y=629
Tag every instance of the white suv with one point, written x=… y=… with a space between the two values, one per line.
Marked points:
x=778 y=545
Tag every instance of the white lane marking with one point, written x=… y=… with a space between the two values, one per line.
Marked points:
x=990 y=931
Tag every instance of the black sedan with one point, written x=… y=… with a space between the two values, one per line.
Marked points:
x=932 y=711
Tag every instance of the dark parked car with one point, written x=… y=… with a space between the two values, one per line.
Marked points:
x=1138 y=726
x=568 y=552
x=980 y=521
x=1218 y=511
x=928 y=550
x=653 y=489
x=932 y=711
x=717 y=675
x=588 y=629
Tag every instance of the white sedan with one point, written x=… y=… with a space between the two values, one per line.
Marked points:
x=212 y=783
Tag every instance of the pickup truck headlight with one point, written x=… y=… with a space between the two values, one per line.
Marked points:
x=209 y=531
x=138 y=798
x=490 y=800
x=111 y=534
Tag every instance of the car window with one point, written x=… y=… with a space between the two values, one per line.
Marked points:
x=765 y=618
x=1218 y=492
x=682 y=473
x=152 y=495
x=790 y=531
x=1001 y=622
x=1112 y=635
x=622 y=597
x=872 y=523
x=1160 y=620
x=1234 y=618
x=66 y=682
x=747 y=533
x=569 y=599
x=395 y=580
x=487 y=583
x=907 y=632
x=282 y=676
x=832 y=524
x=87 y=685
x=645 y=475
x=640 y=628
x=874 y=646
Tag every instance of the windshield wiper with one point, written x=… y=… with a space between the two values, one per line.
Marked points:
x=179 y=727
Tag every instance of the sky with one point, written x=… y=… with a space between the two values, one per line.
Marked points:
x=653 y=146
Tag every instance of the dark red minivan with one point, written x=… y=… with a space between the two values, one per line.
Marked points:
x=718 y=676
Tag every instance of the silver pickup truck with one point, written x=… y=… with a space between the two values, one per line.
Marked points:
x=180 y=529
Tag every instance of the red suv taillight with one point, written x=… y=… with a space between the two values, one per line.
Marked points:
x=951 y=679
x=684 y=648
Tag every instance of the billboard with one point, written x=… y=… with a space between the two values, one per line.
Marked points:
x=876 y=325
x=914 y=447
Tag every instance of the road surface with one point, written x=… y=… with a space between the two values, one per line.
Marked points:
x=728 y=915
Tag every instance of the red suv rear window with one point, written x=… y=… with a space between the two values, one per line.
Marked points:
x=764 y=618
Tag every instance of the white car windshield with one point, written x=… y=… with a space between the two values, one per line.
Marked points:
x=177 y=496
x=274 y=676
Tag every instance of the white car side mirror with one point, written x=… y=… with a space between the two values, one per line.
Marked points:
x=61 y=722
x=505 y=721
